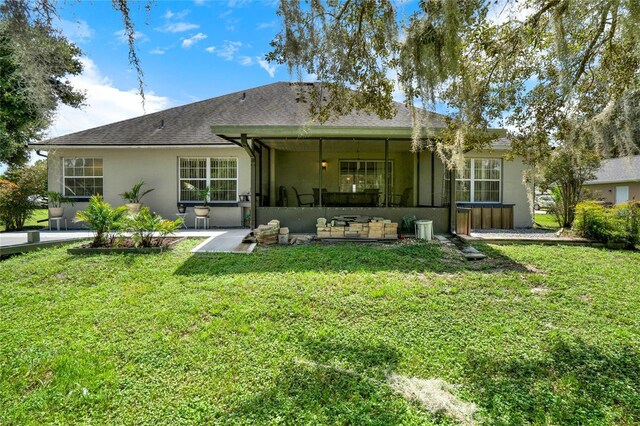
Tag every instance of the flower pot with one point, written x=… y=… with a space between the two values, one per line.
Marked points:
x=134 y=207
x=56 y=211
x=201 y=211
x=182 y=208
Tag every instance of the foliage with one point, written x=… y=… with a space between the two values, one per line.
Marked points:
x=532 y=335
x=37 y=220
x=202 y=194
x=35 y=63
x=134 y=195
x=565 y=171
x=16 y=203
x=104 y=220
x=149 y=229
x=540 y=63
x=56 y=199
x=618 y=224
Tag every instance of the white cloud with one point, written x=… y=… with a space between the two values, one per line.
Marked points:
x=199 y=2
x=138 y=36
x=246 y=60
x=210 y=49
x=168 y=14
x=105 y=103
x=178 y=27
x=228 y=49
x=188 y=42
x=264 y=25
x=78 y=31
x=269 y=68
x=157 y=51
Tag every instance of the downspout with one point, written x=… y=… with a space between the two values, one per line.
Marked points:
x=41 y=155
x=252 y=155
x=452 y=202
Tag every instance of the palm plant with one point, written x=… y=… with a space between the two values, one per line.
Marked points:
x=146 y=225
x=104 y=220
x=56 y=199
x=135 y=195
x=202 y=194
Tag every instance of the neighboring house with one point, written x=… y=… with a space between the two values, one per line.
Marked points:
x=617 y=180
x=260 y=142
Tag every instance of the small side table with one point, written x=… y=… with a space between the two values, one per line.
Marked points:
x=204 y=220
x=58 y=220
x=183 y=216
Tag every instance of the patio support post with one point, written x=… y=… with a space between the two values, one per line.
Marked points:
x=452 y=201
x=386 y=173
x=320 y=172
x=252 y=155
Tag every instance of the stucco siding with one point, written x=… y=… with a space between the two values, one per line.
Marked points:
x=158 y=167
x=607 y=191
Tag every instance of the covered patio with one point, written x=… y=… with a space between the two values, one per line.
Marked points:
x=299 y=174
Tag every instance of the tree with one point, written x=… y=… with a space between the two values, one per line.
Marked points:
x=566 y=170
x=35 y=62
x=17 y=192
x=566 y=60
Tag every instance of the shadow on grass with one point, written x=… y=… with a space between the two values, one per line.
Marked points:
x=318 y=389
x=417 y=257
x=573 y=383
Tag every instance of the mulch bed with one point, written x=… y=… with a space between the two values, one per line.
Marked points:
x=126 y=245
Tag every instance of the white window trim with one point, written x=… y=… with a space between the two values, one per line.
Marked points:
x=64 y=176
x=390 y=161
x=208 y=179
x=472 y=179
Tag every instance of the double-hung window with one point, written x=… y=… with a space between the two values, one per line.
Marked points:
x=479 y=181
x=82 y=177
x=218 y=173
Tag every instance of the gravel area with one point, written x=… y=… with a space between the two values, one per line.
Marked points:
x=521 y=234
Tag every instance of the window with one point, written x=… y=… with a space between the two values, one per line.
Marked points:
x=220 y=174
x=358 y=175
x=82 y=177
x=480 y=181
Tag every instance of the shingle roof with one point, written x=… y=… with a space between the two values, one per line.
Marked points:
x=273 y=104
x=624 y=169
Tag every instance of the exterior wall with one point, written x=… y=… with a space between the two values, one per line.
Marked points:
x=514 y=191
x=607 y=191
x=303 y=219
x=300 y=169
x=158 y=167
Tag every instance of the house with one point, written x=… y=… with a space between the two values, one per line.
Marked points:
x=617 y=180
x=261 y=143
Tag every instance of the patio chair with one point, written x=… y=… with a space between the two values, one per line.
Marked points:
x=301 y=202
x=316 y=195
x=401 y=200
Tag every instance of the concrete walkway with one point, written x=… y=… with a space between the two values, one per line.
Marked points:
x=226 y=241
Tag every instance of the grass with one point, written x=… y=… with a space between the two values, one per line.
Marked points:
x=32 y=222
x=546 y=221
x=310 y=335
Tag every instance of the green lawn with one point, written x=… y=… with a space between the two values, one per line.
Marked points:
x=309 y=335
x=546 y=220
x=32 y=223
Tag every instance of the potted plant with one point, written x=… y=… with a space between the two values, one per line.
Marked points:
x=203 y=194
x=55 y=201
x=134 y=196
x=182 y=208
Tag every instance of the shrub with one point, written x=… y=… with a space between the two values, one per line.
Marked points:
x=145 y=224
x=104 y=220
x=611 y=225
x=16 y=194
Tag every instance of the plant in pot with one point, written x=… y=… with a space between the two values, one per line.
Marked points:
x=202 y=194
x=55 y=201
x=133 y=197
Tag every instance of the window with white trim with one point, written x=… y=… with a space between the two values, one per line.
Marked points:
x=82 y=177
x=218 y=173
x=480 y=181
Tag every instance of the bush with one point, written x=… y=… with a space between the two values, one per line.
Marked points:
x=16 y=194
x=106 y=221
x=145 y=224
x=611 y=225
